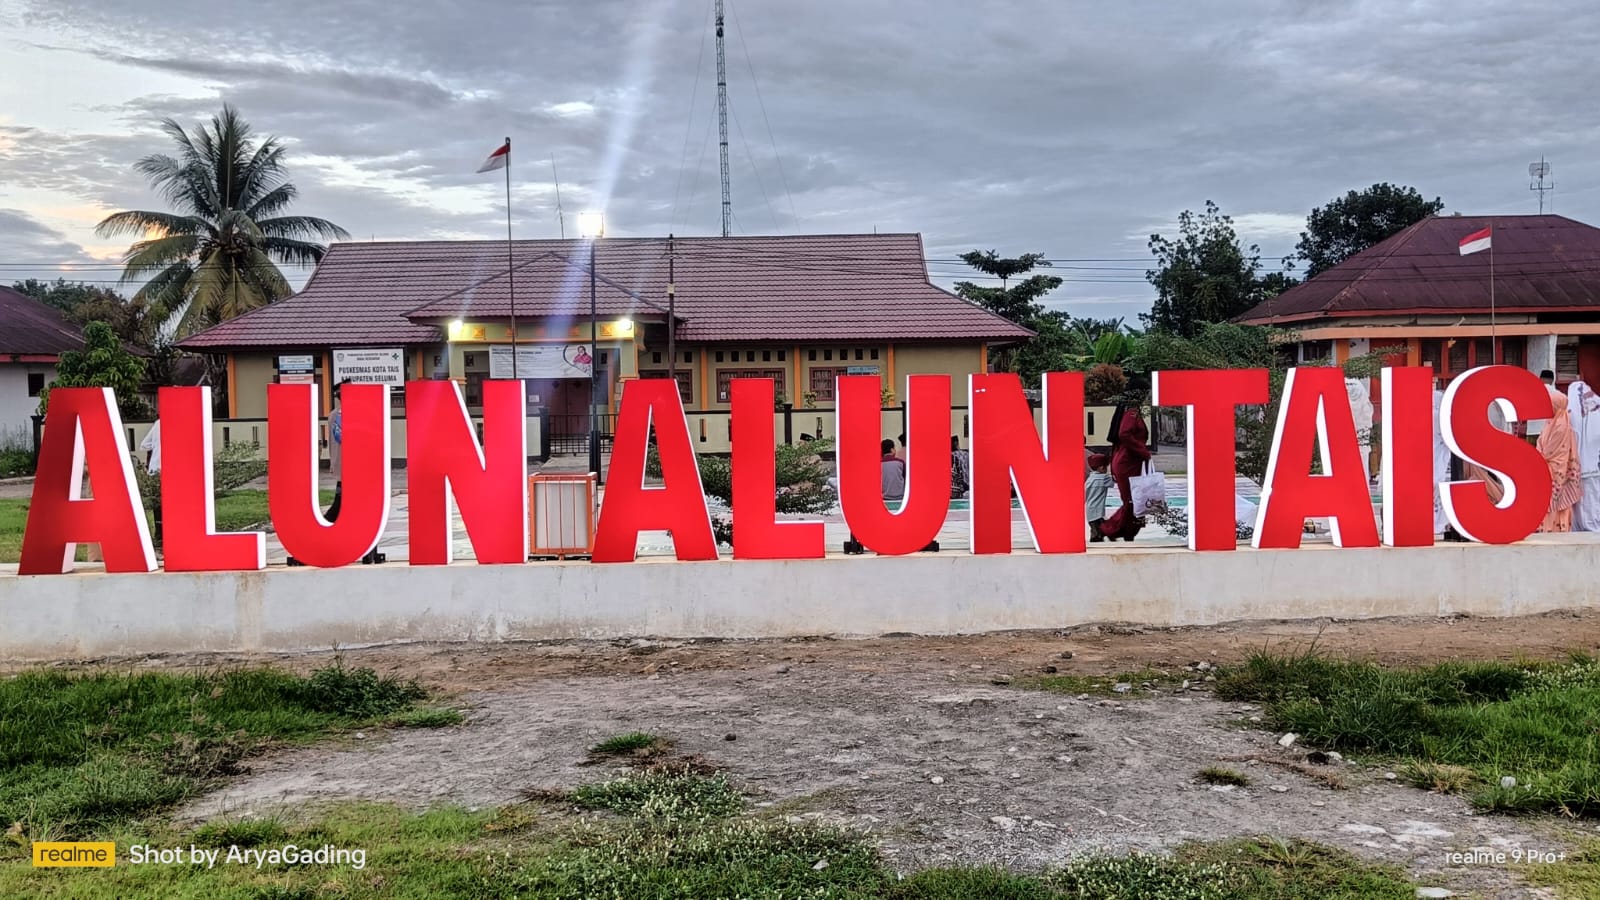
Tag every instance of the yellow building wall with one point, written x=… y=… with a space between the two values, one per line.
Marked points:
x=956 y=360
x=252 y=373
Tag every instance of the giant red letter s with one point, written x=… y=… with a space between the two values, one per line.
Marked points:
x=292 y=462
x=82 y=426
x=1464 y=420
x=188 y=506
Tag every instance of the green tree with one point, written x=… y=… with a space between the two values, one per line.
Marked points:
x=65 y=295
x=103 y=362
x=1056 y=342
x=1359 y=219
x=1201 y=276
x=217 y=255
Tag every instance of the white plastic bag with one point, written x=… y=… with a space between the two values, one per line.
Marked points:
x=1149 y=491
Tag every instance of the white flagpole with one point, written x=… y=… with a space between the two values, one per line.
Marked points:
x=1493 y=343
x=511 y=281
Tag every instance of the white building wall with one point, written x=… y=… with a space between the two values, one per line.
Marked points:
x=16 y=407
x=1541 y=353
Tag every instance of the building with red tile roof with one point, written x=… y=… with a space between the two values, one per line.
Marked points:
x=800 y=309
x=1418 y=294
x=33 y=336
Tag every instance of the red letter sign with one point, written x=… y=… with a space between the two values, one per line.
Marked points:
x=292 y=473
x=1470 y=435
x=1007 y=447
x=189 y=535
x=1315 y=406
x=489 y=483
x=81 y=426
x=757 y=533
x=1407 y=456
x=1213 y=458
x=679 y=505
x=859 y=424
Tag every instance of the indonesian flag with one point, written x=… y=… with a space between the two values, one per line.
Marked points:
x=1478 y=240
x=499 y=158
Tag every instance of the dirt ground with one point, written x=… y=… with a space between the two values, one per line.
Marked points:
x=912 y=739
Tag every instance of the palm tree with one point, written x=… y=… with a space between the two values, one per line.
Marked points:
x=217 y=256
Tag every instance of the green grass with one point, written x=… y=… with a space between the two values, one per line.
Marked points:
x=624 y=744
x=1219 y=775
x=1536 y=722
x=663 y=796
x=236 y=511
x=1101 y=685
x=1577 y=877
x=524 y=852
x=80 y=753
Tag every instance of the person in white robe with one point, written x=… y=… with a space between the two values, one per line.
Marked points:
x=1583 y=408
x=1441 y=465
x=1361 y=410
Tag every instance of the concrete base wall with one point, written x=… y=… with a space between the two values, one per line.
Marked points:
x=87 y=615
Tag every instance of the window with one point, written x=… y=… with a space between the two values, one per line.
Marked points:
x=1459 y=360
x=1514 y=352
x=1433 y=356
x=822 y=381
x=655 y=357
x=685 y=383
x=719 y=356
x=749 y=356
x=827 y=355
x=35 y=383
x=766 y=356
x=725 y=378
x=874 y=353
x=860 y=354
x=1316 y=352
x=688 y=357
x=783 y=356
x=1483 y=351
x=1567 y=359
x=812 y=354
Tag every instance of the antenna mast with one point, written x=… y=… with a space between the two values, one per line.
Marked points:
x=1540 y=171
x=722 y=125
x=561 y=217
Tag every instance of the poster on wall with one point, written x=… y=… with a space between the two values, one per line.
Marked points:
x=542 y=361
x=384 y=366
x=297 y=369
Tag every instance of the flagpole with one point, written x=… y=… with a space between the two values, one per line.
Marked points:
x=511 y=280
x=1493 y=348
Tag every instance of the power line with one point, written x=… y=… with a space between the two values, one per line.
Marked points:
x=777 y=157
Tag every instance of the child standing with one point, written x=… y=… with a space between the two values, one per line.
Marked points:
x=1095 y=490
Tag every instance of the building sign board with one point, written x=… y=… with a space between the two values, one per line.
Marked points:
x=861 y=370
x=541 y=361
x=303 y=362
x=366 y=366
x=488 y=480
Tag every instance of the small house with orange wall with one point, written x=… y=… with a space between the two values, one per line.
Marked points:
x=1532 y=299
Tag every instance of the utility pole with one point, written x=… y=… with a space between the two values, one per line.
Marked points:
x=672 y=316
x=722 y=125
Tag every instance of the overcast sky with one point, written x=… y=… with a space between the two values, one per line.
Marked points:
x=1068 y=128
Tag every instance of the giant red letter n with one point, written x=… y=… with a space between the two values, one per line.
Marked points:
x=1006 y=447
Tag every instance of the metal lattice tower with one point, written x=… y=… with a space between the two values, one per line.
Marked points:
x=1541 y=170
x=722 y=126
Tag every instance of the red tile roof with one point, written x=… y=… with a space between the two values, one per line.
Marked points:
x=790 y=288
x=1542 y=264
x=33 y=328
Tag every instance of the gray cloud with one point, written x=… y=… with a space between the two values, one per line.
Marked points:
x=1066 y=127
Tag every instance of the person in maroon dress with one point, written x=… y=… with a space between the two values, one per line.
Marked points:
x=1130 y=450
